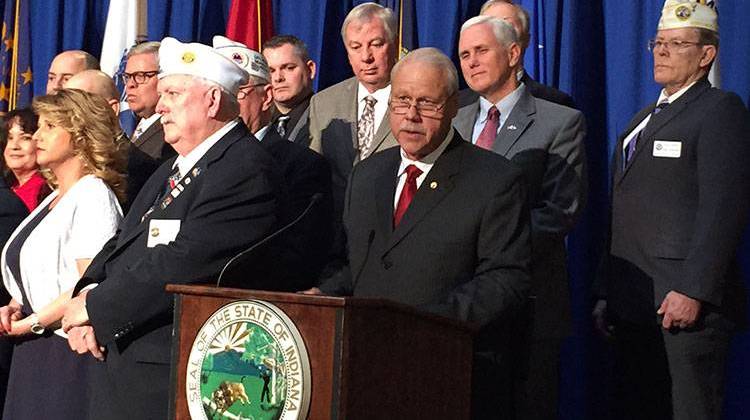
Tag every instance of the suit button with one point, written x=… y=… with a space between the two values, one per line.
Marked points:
x=387 y=264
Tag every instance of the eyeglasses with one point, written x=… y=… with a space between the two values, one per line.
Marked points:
x=245 y=90
x=424 y=107
x=673 y=45
x=139 y=77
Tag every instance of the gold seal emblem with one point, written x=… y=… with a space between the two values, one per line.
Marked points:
x=433 y=184
x=154 y=232
x=683 y=12
x=188 y=57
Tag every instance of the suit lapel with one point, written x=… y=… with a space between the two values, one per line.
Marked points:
x=436 y=186
x=155 y=185
x=658 y=121
x=520 y=118
x=150 y=132
x=465 y=119
x=383 y=130
x=385 y=191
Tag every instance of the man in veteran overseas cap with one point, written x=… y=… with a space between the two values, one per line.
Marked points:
x=214 y=199
x=301 y=251
x=671 y=292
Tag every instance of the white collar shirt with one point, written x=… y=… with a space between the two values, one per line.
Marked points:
x=381 y=106
x=185 y=163
x=144 y=124
x=425 y=165
x=662 y=98
x=505 y=106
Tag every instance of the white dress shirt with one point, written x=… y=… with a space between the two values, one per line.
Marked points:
x=662 y=97
x=185 y=163
x=505 y=106
x=425 y=165
x=381 y=106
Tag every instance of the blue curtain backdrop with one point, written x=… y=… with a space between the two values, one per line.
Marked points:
x=596 y=50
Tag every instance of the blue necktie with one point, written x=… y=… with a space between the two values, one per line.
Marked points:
x=630 y=151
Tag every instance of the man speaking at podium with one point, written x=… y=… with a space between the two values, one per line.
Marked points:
x=196 y=211
x=440 y=224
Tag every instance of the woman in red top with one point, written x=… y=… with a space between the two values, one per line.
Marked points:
x=19 y=150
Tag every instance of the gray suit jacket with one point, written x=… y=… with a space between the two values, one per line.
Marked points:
x=333 y=133
x=546 y=141
x=152 y=143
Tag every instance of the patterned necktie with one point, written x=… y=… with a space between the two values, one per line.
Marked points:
x=366 y=127
x=407 y=193
x=630 y=151
x=489 y=132
x=281 y=125
x=137 y=133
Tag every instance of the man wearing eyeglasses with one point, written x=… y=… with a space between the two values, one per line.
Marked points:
x=671 y=292
x=546 y=141
x=140 y=81
x=300 y=254
x=440 y=224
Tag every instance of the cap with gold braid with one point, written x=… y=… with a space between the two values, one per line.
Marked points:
x=689 y=14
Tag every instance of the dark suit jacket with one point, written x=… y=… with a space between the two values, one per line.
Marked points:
x=462 y=248
x=298 y=126
x=546 y=140
x=548 y=93
x=305 y=247
x=676 y=222
x=333 y=133
x=231 y=204
x=152 y=143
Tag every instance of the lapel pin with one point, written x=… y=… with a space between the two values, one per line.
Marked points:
x=512 y=127
x=433 y=184
x=155 y=232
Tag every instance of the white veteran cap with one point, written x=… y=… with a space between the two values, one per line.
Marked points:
x=689 y=14
x=199 y=60
x=252 y=61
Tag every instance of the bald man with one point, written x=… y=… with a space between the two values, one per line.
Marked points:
x=67 y=64
x=98 y=83
x=140 y=164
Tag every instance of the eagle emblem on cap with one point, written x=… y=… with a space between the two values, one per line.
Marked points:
x=683 y=12
x=188 y=57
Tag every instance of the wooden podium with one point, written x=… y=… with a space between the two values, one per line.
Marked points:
x=369 y=358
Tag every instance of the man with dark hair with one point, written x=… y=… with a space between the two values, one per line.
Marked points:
x=671 y=291
x=65 y=65
x=292 y=73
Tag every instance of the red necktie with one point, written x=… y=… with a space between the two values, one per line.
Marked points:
x=407 y=193
x=489 y=132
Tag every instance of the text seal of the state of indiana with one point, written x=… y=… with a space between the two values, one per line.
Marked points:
x=248 y=361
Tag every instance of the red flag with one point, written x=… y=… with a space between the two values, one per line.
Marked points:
x=250 y=22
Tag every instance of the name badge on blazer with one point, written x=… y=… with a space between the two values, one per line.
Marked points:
x=162 y=231
x=667 y=149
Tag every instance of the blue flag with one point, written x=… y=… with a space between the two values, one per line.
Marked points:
x=21 y=88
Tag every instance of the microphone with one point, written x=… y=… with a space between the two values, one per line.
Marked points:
x=313 y=200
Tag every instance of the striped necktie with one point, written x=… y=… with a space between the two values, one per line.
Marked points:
x=630 y=151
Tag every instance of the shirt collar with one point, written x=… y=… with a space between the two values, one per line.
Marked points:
x=425 y=164
x=505 y=105
x=185 y=163
x=145 y=123
x=381 y=95
x=260 y=134
x=673 y=97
